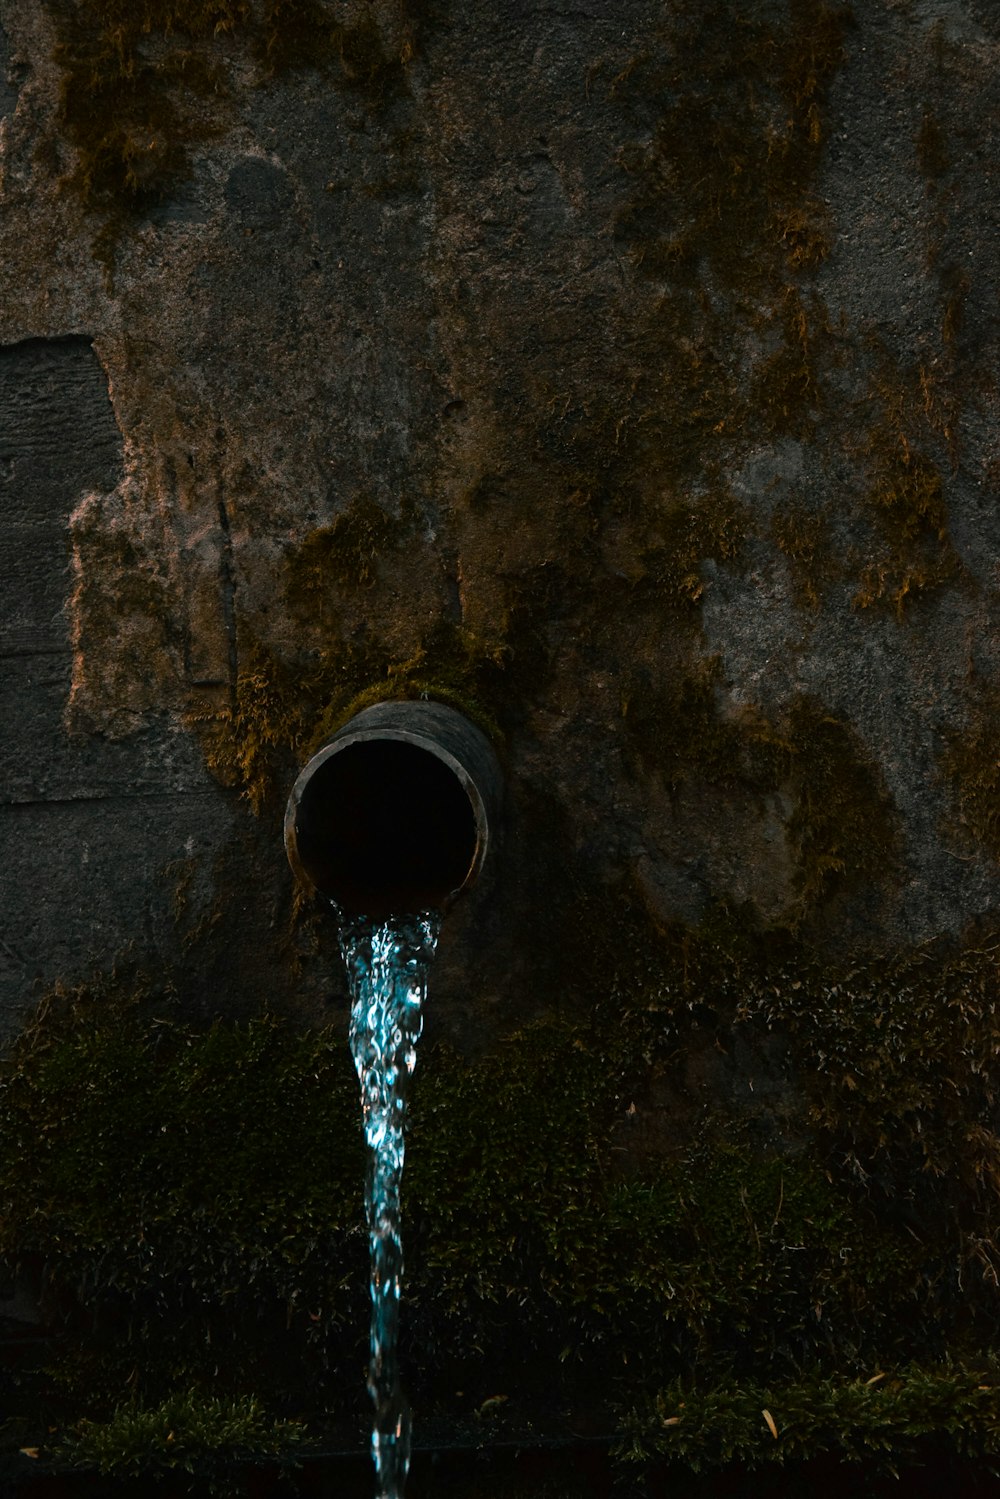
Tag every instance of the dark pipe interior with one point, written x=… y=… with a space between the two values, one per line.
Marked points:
x=384 y=827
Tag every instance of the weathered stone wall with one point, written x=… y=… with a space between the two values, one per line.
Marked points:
x=625 y=373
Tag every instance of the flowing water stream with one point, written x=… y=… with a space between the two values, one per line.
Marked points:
x=387 y=964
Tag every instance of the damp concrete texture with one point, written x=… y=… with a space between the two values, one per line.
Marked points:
x=501 y=355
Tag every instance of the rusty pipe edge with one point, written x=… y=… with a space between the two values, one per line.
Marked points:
x=396 y=812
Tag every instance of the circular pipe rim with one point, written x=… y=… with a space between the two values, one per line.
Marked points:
x=344 y=738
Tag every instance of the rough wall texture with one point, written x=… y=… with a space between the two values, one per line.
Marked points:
x=626 y=372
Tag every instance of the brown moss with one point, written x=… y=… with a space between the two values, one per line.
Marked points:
x=906 y=503
x=724 y=182
x=133 y=111
x=404 y=684
x=284 y=710
x=688 y=536
x=308 y=33
x=655 y=417
x=679 y=734
x=295 y=32
x=247 y=744
x=842 y=830
x=844 y=827
x=971 y=762
x=911 y=550
x=346 y=552
x=786 y=394
x=802 y=535
x=131 y=119
x=723 y=218
x=932 y=147
x=804 y=233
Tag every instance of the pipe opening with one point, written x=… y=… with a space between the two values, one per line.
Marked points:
x=384 y=827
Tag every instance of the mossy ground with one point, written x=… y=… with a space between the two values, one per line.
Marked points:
x=187 y=1204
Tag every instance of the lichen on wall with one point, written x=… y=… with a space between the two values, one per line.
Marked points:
x=626 y=380
x=589 y=414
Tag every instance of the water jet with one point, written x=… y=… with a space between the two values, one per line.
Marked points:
x=390 y=821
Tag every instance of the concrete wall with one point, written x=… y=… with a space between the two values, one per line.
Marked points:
x=630 y=370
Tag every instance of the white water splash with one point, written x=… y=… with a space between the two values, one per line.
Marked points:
x=387 y=964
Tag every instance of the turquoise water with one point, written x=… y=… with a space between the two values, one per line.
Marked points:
x=387 y=964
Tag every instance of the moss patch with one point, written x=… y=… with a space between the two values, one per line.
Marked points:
x=250 y=744
x=188 y=1432
x=736 y=146
x=971 y=762
x=102 y=1105
x=723 y=221
x=188 y=1202
x=686 y=537
x=346 y=552
x=911 y=553
x=906 y=500
x=842 y=828
x=895 y=1417
x=802 y=535
x=278 y=717
x=143 y=84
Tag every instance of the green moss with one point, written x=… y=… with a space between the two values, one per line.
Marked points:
x=892 y=1418
x=898 y=1054
x=189 y=1201
x=195 y=1195
x=408 y=683
x=188 y=1432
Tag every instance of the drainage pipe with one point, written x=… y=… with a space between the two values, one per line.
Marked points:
x=395 y=813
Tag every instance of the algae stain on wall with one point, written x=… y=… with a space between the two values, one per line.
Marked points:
x=551 y=411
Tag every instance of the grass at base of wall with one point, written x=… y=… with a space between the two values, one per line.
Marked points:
x=186 y=1205
x=885 y=1421
x=189 y=1432
x=890 y=1426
